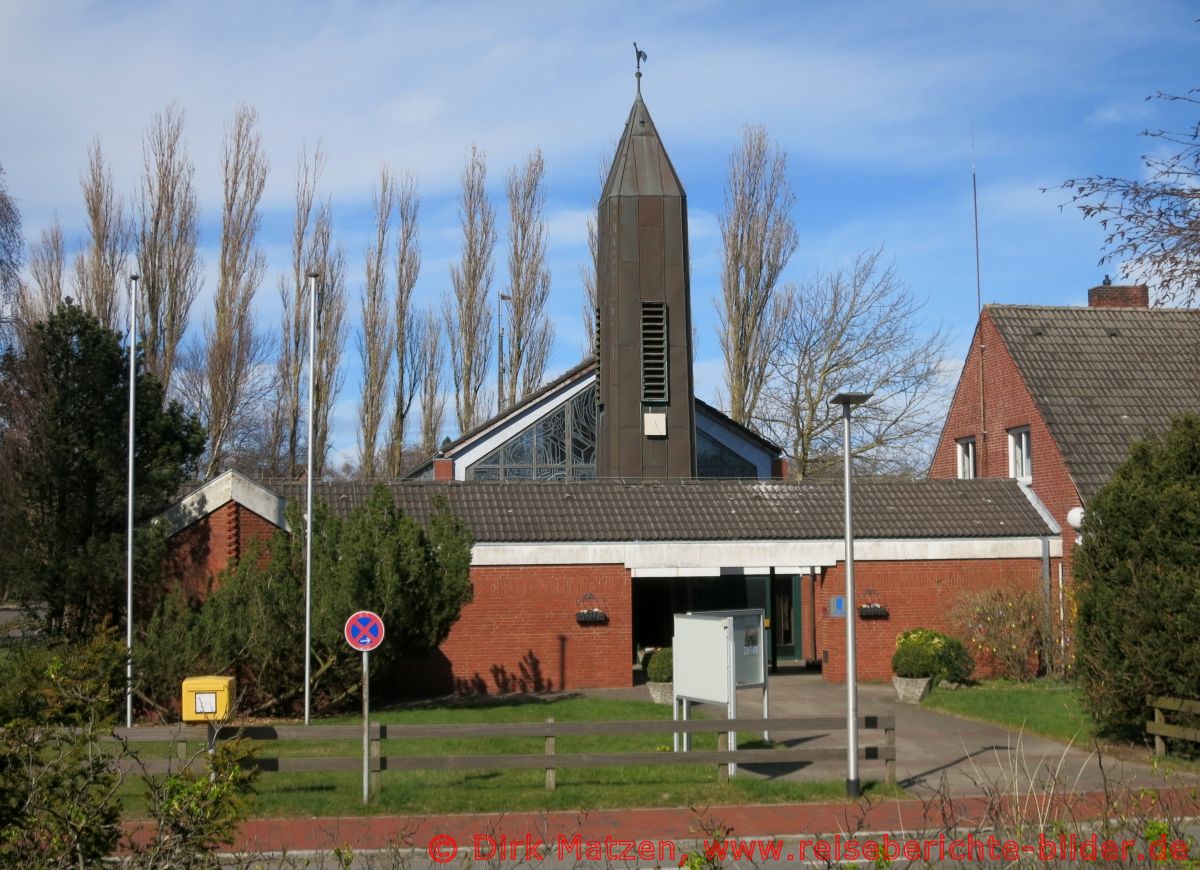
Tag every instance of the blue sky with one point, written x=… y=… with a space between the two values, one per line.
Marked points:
x=873 y=102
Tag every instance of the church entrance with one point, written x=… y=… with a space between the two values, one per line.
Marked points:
x=656 y=600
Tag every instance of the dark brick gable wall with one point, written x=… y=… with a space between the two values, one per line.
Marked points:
x=199 y=552
x=1009 y=405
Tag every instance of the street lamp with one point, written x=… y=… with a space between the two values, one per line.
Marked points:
x=848 y=401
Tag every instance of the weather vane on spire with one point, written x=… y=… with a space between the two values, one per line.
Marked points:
x=641 y=56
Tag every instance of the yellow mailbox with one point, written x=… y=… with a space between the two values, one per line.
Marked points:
x=207 y=699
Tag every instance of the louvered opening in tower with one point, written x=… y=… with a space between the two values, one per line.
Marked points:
x=654 y=353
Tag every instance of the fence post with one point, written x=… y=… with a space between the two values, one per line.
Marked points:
x=550 y=771
x=376 y=764
x=889 y=740
x=723 y=746
x=1160 y=745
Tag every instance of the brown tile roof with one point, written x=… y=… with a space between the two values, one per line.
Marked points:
x=614 y=510
x=1103 y=377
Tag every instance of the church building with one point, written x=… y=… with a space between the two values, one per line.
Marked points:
x=612 y=498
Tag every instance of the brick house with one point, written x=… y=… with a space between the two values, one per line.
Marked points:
x=640 y=551
x=1054 y=396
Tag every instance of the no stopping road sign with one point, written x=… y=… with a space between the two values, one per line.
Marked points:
x=364 y=631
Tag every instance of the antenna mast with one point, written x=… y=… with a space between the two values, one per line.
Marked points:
x=975 y=206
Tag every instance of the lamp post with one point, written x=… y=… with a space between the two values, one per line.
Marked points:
x=308 y=516
x=848 y=401
x=133 y=281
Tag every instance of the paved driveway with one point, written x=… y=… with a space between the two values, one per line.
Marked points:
x=932 y=748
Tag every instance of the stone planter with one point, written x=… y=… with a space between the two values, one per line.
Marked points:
x=662 y=693
x=912 y=690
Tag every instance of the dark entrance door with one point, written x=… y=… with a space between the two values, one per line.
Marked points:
x=785 y=617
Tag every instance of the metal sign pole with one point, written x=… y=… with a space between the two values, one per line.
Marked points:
x=366 y=726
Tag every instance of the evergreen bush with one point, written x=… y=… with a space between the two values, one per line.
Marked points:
x=661 y=668
x=1137 y=577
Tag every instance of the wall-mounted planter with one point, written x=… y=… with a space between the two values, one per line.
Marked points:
x=872 y=611
x=591 y=617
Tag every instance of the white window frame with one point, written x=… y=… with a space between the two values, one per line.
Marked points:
x=967 y=467
x=1020 y=454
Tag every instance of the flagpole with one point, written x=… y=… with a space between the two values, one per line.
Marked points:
x=133 y=280
x=308 y=516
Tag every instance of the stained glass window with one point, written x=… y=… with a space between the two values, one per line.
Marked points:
x=560 y=446
x=714 y=459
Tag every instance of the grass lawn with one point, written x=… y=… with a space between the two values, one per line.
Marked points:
x=1050 y=709
x=462 y=791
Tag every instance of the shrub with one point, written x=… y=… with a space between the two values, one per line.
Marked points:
x=416 y=577
x=913 y=660
x=1138 y=585
x=921 y=652
x=1010 y=629
x=661 y=668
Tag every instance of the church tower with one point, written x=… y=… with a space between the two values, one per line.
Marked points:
x=647 y=415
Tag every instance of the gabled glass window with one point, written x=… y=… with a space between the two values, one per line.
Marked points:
x=560 y=446
x=714 y=459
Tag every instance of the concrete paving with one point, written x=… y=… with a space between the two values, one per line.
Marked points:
x=934 y=751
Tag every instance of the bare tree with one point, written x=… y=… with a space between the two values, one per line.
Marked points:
x=99 y=270
x=1153 y=221
x=284 y=438
x=47 y=263
x=233 y=349
x=375 y=340
x=468 y=314
x=431 y=359
x=168 y=233
x=855 y=330
x=12 y=255
x=590 y=271
x=758 y=238
x=330 y=263
x=529 y=329
x=406 y=333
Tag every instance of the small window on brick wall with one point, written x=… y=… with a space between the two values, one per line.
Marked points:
x=1020 y=455
x=654 y=353
x=967 y=469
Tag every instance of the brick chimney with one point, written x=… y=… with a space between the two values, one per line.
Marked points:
x=1110 y=295
x=443 y=469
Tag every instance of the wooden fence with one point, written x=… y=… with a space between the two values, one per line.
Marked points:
x=1160 y=728
x=549 y=760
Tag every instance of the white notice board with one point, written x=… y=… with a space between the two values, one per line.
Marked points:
x=700 y=653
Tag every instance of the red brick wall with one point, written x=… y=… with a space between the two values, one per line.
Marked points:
x=916 y=594
x=808 y=619
x=1008 y=405
x=198 y=553
x=519 y=634
x=443 y=469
